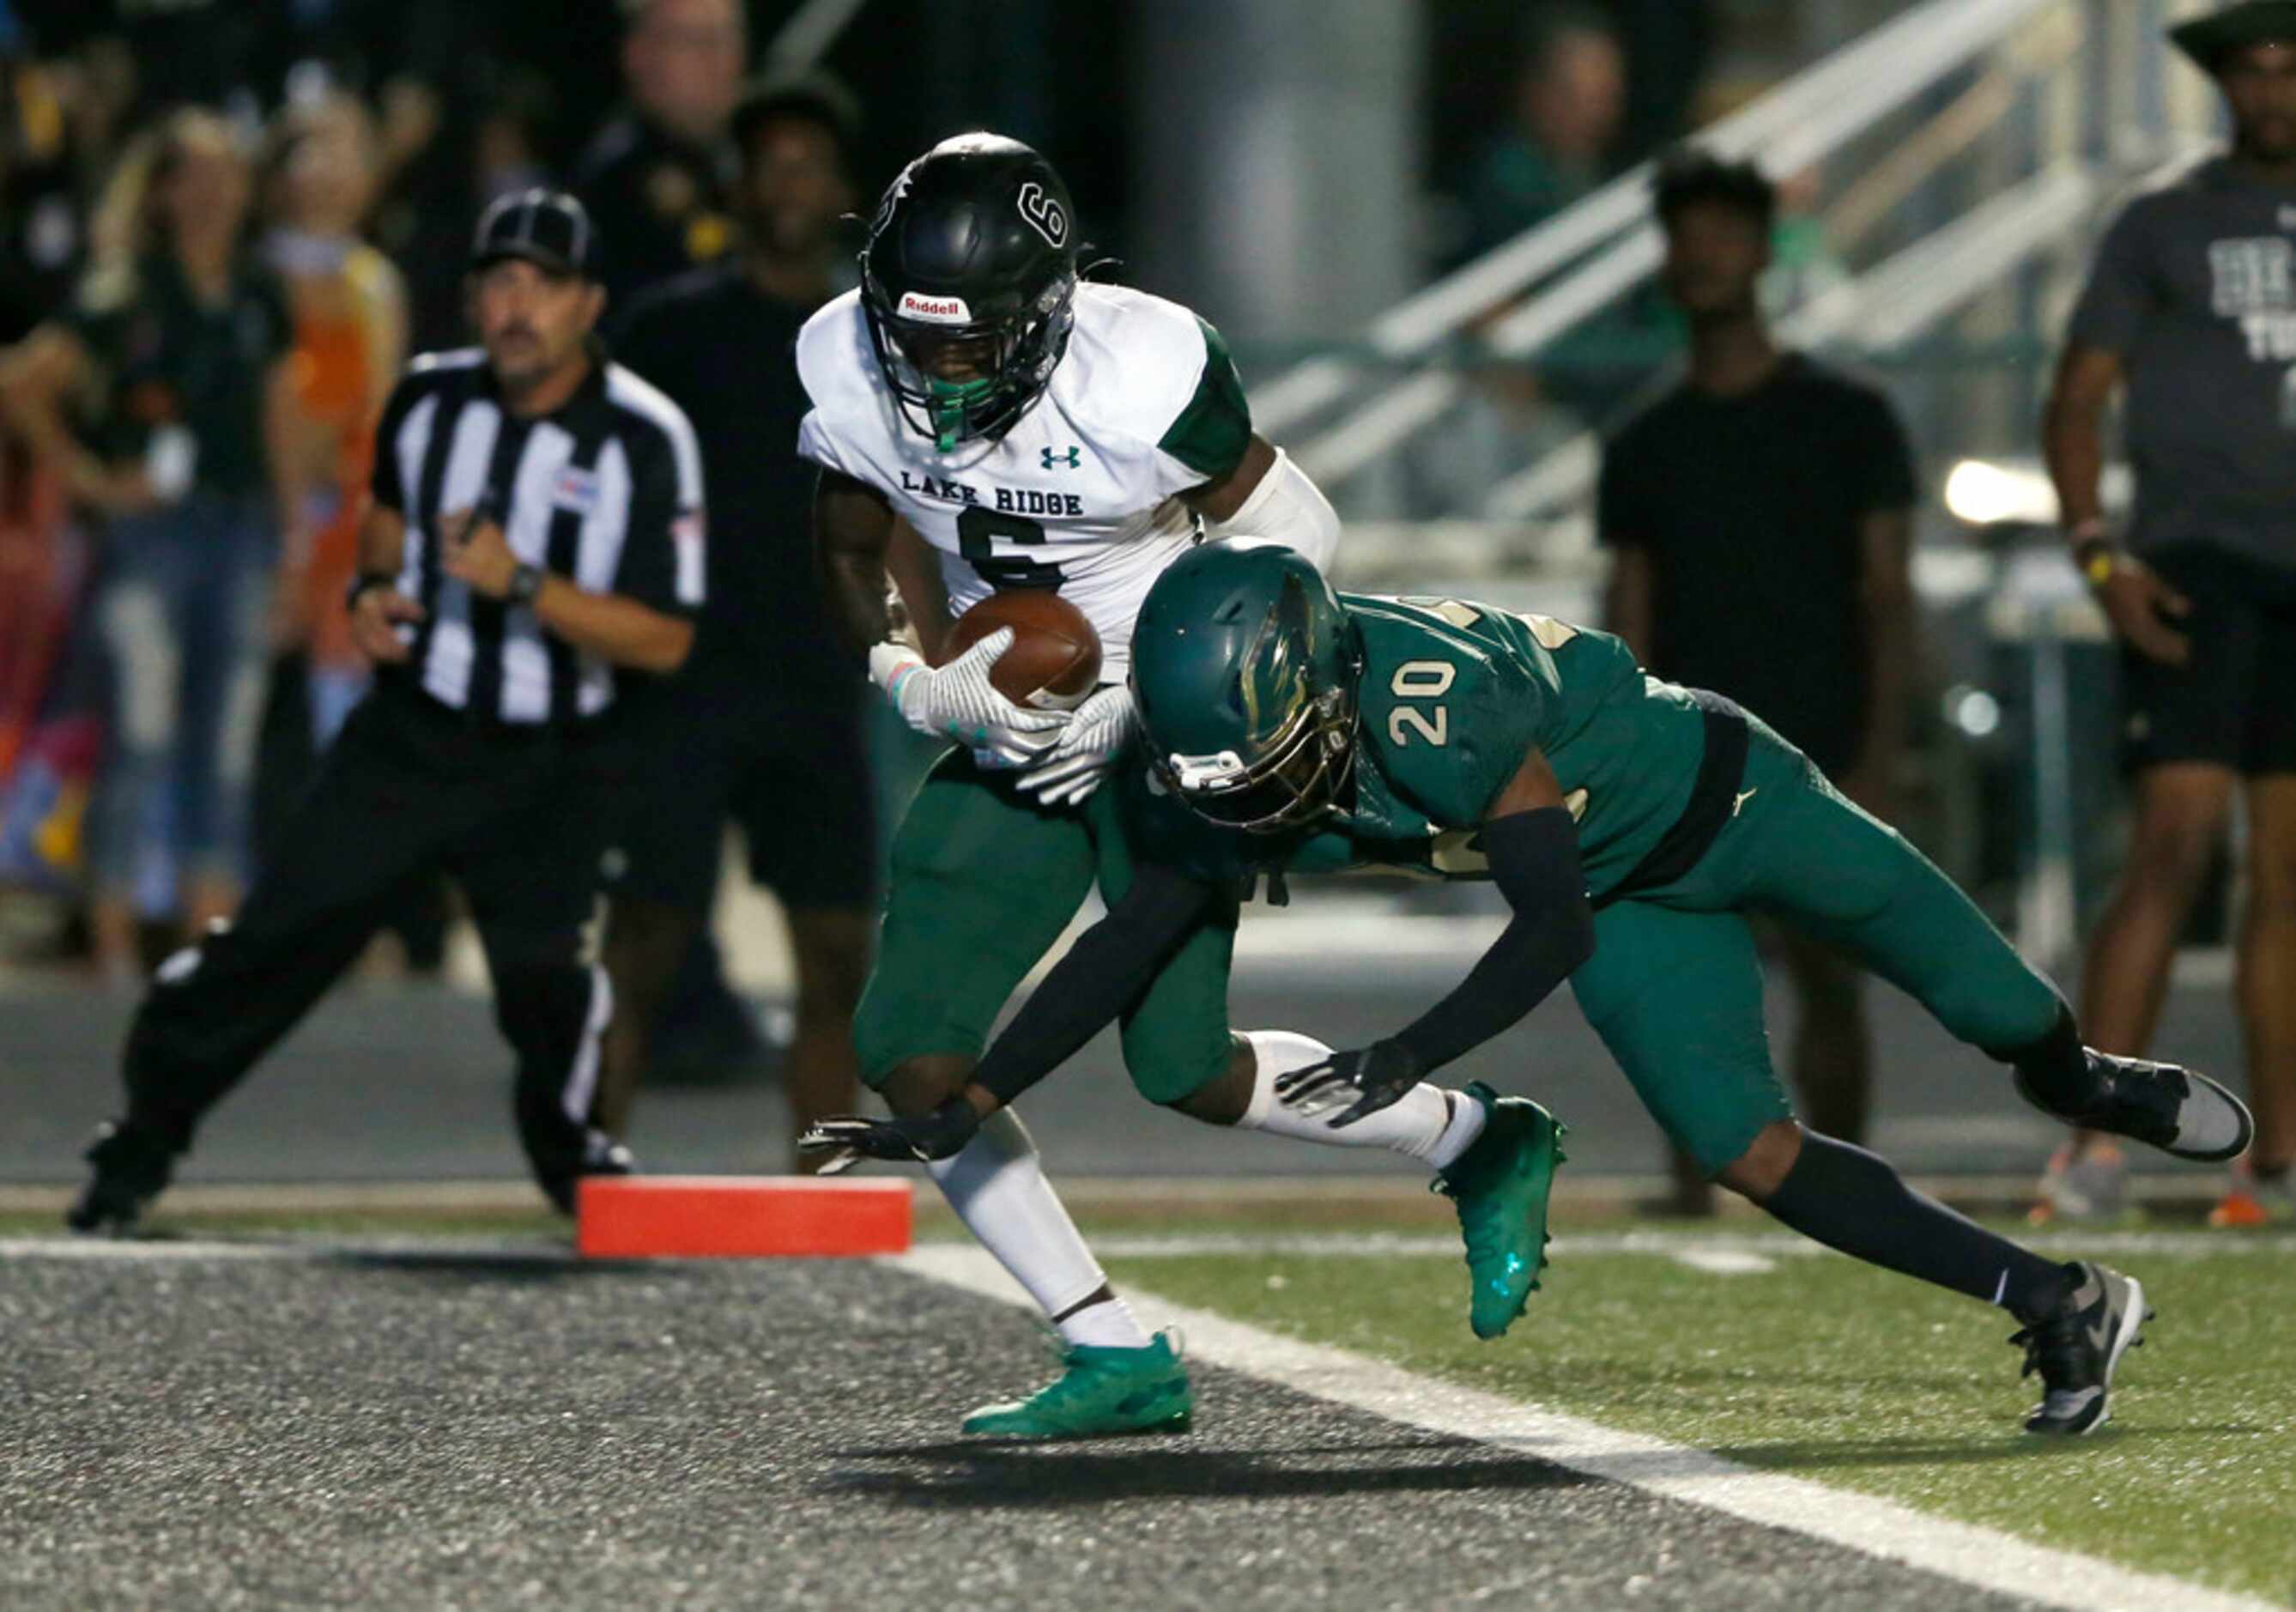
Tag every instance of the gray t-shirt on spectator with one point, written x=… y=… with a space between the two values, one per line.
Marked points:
x=2194 y=288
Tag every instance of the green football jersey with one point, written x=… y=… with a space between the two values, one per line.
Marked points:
x=1454 y=696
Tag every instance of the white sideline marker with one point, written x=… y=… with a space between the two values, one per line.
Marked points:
x=1981 y=1557
x=1724 y=1261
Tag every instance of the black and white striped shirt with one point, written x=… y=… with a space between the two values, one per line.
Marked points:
x=606 y=490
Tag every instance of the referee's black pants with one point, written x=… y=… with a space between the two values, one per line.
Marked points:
x=411 y=788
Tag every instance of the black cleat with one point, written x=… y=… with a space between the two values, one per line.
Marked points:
x=2177 y=1110
x=602 y=1155
x=131 y=1168
x=2076 y=1347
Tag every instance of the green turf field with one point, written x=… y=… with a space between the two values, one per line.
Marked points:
x=1834 y=1372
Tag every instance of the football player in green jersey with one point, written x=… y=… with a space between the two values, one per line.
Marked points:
x=1630 y=825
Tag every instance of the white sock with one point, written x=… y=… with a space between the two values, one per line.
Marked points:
x=1427 y=1123
x=1106 y=1325
x=998 y=1190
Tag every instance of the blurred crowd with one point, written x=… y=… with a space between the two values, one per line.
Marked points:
x=1577 y=93
x=223 y=228
x=226 y=224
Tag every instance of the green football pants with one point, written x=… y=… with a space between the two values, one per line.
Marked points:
x=1674 y=986
x=983 y=882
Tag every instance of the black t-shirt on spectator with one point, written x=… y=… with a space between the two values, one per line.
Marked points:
x=659 y=203
x=163 y=357
x=1750 y=509
x=723 y=352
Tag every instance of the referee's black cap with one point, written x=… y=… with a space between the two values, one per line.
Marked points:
x=548 y=228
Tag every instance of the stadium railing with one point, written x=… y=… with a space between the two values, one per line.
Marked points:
x=1968 y=143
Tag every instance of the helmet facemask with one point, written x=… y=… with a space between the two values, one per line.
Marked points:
x=1301 y=771
x=1014 y=355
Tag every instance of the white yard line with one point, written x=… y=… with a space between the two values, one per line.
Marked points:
x=1703 y=1250
x=1972 y=1555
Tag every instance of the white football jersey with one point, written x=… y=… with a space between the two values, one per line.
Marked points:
x=1080 y=493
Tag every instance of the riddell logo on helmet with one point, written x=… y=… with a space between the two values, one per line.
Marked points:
x=935 y=311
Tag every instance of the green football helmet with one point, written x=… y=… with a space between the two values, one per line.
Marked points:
x=1245 y=668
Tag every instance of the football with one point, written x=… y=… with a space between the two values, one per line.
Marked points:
x=1054 y=659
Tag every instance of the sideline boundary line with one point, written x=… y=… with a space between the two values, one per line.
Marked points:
x=1708 y=1250
x=1965 y=1553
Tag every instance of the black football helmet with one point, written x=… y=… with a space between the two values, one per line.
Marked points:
x=973 y=253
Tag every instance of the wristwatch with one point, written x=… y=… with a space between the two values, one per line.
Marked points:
x=525 y=582
x=2097 y=559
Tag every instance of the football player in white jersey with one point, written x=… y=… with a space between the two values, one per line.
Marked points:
x=1034 y=431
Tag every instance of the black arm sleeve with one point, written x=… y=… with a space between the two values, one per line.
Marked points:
x=1110 y=964
x=1534 y=863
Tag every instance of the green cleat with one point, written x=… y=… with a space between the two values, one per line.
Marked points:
x=1102 y=1392
x=1500 y=1185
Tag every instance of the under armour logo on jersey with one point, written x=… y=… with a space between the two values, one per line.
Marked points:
x=1072 y=458
x=1045 y=215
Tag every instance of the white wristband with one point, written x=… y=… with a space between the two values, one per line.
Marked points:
x=890 y=668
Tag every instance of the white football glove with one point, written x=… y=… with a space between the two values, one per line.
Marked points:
x=1097 y=732
x=956 y=701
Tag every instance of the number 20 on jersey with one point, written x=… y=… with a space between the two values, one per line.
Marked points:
x=1421 y=680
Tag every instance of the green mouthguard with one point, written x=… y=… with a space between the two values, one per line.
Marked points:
x=950 y=399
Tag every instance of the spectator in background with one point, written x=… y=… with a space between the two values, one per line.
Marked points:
x=48 y=724
x=2191 y=307
x=446 y=158
x=658 y=176
x=659 y=179
x=1803 y=264
x=1668 y=44
x=42 y=231
x=349 y=312
x=766 y=725
x=193 y=53
x=1568 y=104
x=1569 y=96
x=1759 y=521
x=172 y=360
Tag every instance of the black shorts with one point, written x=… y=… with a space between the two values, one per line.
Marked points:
x=2234 y=703
x=798 y=786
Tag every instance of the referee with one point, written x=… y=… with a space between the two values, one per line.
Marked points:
x=535 y=535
